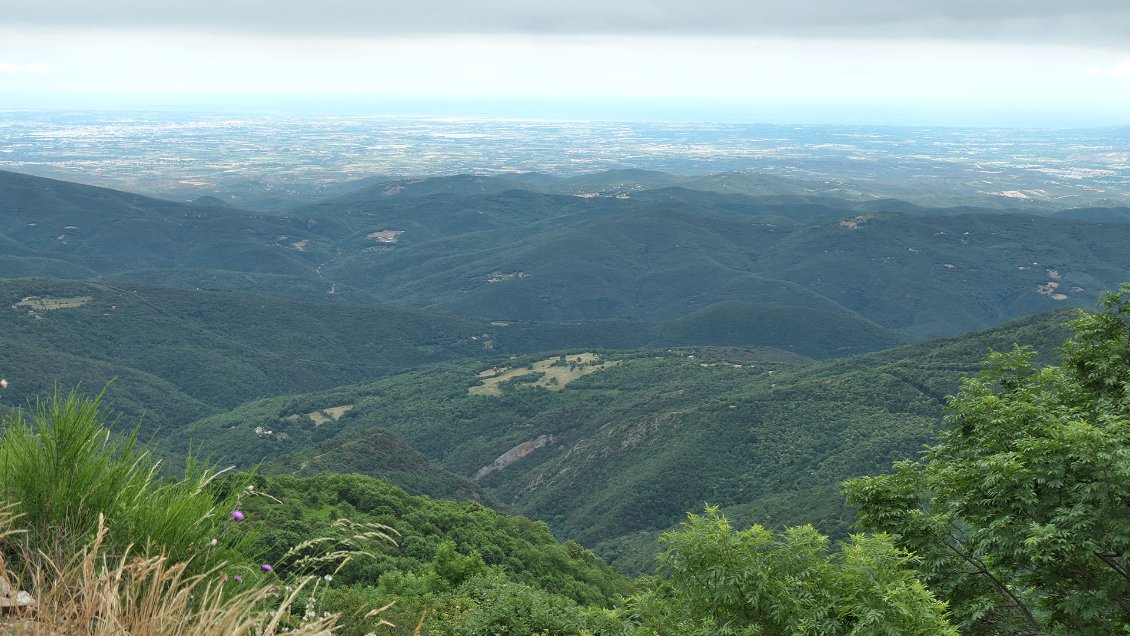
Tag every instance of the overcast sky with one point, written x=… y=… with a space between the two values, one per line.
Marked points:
x=837 y=61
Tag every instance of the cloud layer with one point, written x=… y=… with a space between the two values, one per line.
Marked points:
x=1086 y=22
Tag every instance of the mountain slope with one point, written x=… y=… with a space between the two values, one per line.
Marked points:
x=106 y=231
x=220 y=349
x=212 y=351
x=924 y=276
x=630 y=442
x=939 y=276
x=484 y=247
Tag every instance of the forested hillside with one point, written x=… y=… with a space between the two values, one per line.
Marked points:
x=602 y=355
x=176 y=355
x=612 y=247
x=618 y=447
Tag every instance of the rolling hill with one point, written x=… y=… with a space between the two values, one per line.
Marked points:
x=214 y=350
x=106 y=231
x=923 y=276
x=175 y=355
x=628 y=245
x=603 y=353
x=610 y=451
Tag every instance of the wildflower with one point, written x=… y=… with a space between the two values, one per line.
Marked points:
x=238 y=578
x=328 y=577
x=213 y=542
x=266 y=567
x=236 y=515
x=250 y=487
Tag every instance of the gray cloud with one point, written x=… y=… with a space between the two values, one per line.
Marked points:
x=1092 y=22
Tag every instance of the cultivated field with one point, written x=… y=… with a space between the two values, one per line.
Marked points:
x=554 y=373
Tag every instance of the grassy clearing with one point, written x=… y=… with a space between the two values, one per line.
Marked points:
x=385 y=236
x=335 y=412
x=554 y=373
x=319 y=417
x=37 y=303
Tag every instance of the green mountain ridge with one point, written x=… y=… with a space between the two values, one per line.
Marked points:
x=217 y=350
x=107 y=230
x=379 y=452
x=222 y=349
x=503 y=249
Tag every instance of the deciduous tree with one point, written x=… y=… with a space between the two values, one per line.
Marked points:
x=753 y=581
x=1021 y=513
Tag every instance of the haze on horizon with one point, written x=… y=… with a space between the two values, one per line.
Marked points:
x=923 y=62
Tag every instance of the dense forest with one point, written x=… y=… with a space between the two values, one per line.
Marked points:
x=621 y=453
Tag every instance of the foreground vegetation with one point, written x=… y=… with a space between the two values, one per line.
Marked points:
x=1021 y=513
x=105 y=545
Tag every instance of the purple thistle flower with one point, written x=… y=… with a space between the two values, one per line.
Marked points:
x=266 y=567
x=238 y=578
x=236 y=515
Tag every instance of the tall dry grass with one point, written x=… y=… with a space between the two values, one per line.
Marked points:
x=93 y=592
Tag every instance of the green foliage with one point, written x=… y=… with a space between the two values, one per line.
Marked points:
x=379 y=453
x=756 y=582
x=1020 y=513
x=63 y=470
x=491 y=605
x=766 y=435
x=180 y=355
x=441 y=547
x=818 y=333
x=673 y=254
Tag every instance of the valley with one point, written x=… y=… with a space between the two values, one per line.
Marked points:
x=602 y=363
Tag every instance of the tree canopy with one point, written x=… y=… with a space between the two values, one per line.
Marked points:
x=753 y=581
x=1021 y=512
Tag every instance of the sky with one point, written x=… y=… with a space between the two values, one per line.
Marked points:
x=946 y=62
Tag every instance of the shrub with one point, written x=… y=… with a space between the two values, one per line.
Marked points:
x=753 y=581
x=62 y=471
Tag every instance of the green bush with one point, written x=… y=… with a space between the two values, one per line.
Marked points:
x=489 y=605
x=753 y=582
x=61 y=469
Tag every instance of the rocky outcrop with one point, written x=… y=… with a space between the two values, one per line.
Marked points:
x=514 y=454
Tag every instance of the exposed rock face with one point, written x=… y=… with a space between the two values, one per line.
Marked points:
x=514 y=454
